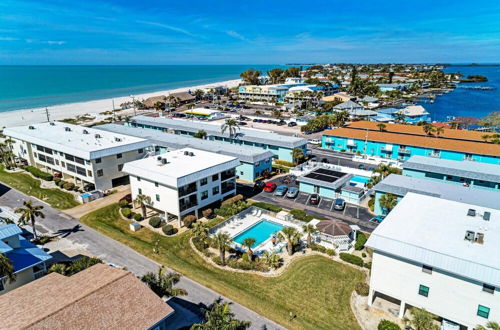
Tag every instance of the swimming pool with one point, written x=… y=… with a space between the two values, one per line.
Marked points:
x=261 y=231
x=360 y=179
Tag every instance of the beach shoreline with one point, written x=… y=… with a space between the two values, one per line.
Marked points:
x=92 y=108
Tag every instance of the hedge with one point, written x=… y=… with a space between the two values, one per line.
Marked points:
x=123 y=203
x=360 y=240
x=388 y=325
x=126 y=212
x=267 y=206
x=155 y=222
x=352 y=259
x=168 y=230
x=232 y=200
x=284 y=163
x=36 y=172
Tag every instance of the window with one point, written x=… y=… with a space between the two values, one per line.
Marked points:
x=100 y=172
x=98 y=160
x=427 y=269
x=215 y=190
x=157 y=197
x=204 y=194
x=423 y=290
x=241 y=173
x=139 y=191
x=140 y=151
x=118 y=156
x=89 y=173
x=57 y=162
x=81 y=171
x=63 y=164
x=215 y=177
x=156 y=184
x=79 y=160
x=71 y=168
x=483 y=311
x=120 y=167
x=488 y=288
x=203 y=182
x=69 y=157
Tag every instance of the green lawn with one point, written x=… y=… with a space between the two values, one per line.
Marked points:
x=30 y=186
x=314 y=288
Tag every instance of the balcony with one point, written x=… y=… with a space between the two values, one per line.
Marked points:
x=187 y=189
x=188 y=202
x=404 y=151
x=228 y=174
x=227 y=186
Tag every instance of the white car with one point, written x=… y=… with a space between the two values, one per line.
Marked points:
x=315 y=141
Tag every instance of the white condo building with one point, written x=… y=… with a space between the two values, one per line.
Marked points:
x=440 y=255
x=183 y=181
x=82 y=155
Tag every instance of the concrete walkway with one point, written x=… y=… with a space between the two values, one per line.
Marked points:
x=111 y=251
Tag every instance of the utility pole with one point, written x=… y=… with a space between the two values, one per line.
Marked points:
x=113 y=101
x=47 y=114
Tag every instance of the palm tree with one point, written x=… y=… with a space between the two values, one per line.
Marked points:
x=198 y=94
x=142 y=201
x=309 y=230
x=485 y=137
x=231 y=125
x=271 y=259
x=421 y=319
x=491 y=325
x=222 y=240
x=7 y=268
x=29 y=213
x=162 y=283
x=428 y=128
x=200 y=230
x=381 y=126
x=297 y=154
x=388 y=202
x=248 y=243
x=219 y=316
x=439 y=130
x=201 y=134
x=291 y=235
x=400 y=117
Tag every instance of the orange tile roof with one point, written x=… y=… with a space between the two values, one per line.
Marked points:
x=431 y=142
x=414 y=129
x=96 y=298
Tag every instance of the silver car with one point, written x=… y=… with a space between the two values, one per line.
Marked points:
x=292 y=192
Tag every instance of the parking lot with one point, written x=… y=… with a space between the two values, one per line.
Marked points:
x=352 y=214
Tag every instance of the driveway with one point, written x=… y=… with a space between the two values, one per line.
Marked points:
x=111 y=251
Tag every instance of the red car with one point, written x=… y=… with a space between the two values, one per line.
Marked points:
x=270 y=186
x=127 y=198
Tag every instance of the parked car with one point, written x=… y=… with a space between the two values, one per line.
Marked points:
x=270 y=187
x=89 y=187
x=377 y=219
x=281 y=123
x=242 y=123
x=339 y=204
x=314 y=199
x=127 y=198
x=292 y=192
x=314 y=141
x=259 y=185
x=281 y=190
x=361 y=166
x=292 y=124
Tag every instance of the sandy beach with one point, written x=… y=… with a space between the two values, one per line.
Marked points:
x=93 y=108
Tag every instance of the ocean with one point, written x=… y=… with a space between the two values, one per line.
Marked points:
x=25 y=87
x=466 y=102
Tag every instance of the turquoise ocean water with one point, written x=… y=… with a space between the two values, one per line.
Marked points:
x=24 y=87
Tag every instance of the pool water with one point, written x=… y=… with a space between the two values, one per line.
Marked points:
x=360 y=179
x=261 y=231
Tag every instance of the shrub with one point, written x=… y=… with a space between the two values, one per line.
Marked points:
x=360 y=241
x=233 y=199
x=189 y=220
x=127 y=213
x=155 y=222
x=60 y=183
x=137 y=217
x=36 y=172
x=352 y=259
x=245 y=257
x=371 y=204
x=388 y=325
x=217 y=260
x=317 y=247
x=207 y=213
x=123 y=203
x=232 y=209
x=57 y=181
x=69 y=186
x=368 y=265
x=267 y=206
x=284 y=163
x=363 y=255
x=362 y=289
x=168 y=230
x=330 y=252
x=301 y=215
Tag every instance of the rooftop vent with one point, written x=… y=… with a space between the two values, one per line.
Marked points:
x=158 y=158
x=471 y=213
x=85 y=131
x=52 y=123
x=117 y=139
x=31 y=127
x=97 y=136
x=486 y=216
x=191 y=154
x=469 y=235
x=480 y=238
x=67 y=129
x=164 y=161
x=186 y=153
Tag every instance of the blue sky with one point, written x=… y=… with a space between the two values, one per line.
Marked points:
x=248 y=32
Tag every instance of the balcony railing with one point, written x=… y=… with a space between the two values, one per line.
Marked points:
x=228 y=174
x=404 y=151
x=188 y=189
x=227 y=187
x=384 y=149
x=435 y=154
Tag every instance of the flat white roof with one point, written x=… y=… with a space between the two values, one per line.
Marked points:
x=431 y=231
x=181 y=169
x=84 y=142
x=203 y=111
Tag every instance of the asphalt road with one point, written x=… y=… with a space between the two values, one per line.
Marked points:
x=118 y=254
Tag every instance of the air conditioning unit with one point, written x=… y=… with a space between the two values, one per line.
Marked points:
x=67 y=129
x=186 y=153
x=118 y=139
x=471 y=213
x=191 y=154
x=164 y=161
x=158 y=158
x=479 y=238
x=85 y=131
x=97 y=136
x=486 y=216
x=469 y=235
x=52 y=123
x=31 y=127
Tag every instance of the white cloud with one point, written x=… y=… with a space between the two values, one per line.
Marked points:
x=8 y=39
x=236 y=35
x=56 y=42
x=168 y=27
